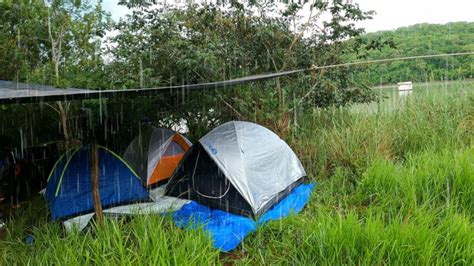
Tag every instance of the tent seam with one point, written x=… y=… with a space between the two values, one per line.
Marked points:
x=64 y=171
x=237 y=133
x=122 y=160
x=55 y=165
x=167 y=144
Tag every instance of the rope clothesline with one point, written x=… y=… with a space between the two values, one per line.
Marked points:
x=14 y=92
x=385 y=60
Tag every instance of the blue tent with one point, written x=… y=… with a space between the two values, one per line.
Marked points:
x=69 y=188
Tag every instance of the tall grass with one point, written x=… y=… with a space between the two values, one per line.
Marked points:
x=151 y=240
x=349 y=138
x=416 y=213
x=395 y=186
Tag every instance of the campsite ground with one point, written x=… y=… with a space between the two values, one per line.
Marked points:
x=395 y=184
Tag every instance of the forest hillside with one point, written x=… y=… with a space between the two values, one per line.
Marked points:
x=420 y=39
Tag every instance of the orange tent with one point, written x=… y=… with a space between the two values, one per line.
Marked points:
x=155 y=154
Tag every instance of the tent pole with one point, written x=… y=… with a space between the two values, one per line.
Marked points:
x=95 y=183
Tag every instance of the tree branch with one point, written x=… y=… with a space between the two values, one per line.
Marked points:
x=239 y=115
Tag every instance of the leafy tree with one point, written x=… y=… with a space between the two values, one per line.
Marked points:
x=23 y=36
x=54 y=42
x=166 y=46
x=420 y=39
x=199 y=43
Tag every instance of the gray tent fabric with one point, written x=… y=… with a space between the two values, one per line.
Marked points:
x=146 y=150
x=13 y=90
x=136 y=154
x=161 y=204
x=254 y=159
x=159 y=141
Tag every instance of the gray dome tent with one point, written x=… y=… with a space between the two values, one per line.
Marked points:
x=155 y=153
x=239 y=167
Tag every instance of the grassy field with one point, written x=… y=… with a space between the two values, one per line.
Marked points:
x=395 y=186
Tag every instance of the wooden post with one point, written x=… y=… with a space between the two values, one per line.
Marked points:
x=95 y=183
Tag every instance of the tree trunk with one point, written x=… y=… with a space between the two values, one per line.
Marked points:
x=95 y=183
x=56 y=70
x=63 y=116
x=279 y=92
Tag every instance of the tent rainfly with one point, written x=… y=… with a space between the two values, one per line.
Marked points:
x=69 y=188
x=238 y=167
x=155 y=153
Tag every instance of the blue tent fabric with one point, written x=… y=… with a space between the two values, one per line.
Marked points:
x=228 y=230
x=69 y=189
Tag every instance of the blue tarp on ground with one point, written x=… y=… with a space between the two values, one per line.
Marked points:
x=228 y=230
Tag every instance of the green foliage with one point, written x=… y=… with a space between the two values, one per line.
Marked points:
x=56 y=43
x=435 y=117
x=420 y=39
x=29 y=47
x=141 y=240
x=425 y=181
x=22 y=32
x=160 y=47
x=207 y=43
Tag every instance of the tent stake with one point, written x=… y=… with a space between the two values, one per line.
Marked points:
x=95 y=183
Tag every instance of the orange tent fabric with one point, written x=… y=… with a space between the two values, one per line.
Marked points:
x=155 y=153
x=168 y=163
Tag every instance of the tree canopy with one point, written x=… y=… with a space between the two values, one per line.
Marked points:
x=420 y=39
x=75 y=43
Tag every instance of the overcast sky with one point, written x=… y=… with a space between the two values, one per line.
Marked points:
x=391 y=14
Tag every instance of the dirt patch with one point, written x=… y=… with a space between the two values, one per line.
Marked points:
x=229 y=259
